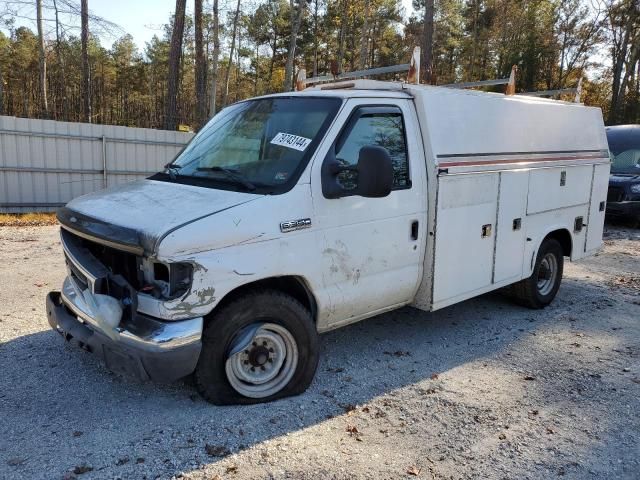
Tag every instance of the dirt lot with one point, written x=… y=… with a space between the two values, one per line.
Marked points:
x=482 y=389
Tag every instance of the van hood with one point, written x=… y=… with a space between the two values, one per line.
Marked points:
x=137 y=216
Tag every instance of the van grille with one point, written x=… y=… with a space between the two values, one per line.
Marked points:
x=116 y=261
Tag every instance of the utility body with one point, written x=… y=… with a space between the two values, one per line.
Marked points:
x=293 y=214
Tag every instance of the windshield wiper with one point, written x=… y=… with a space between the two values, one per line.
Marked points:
x=231 y=174
x=173 y=170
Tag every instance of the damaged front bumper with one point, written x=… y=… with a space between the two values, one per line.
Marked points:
x=142 y=346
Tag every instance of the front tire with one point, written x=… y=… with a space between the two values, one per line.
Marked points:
x=541 y=287
x=260 y=347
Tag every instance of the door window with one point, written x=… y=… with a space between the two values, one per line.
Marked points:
x=374 y=126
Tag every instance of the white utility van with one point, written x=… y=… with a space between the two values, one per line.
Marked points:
x=292 y=214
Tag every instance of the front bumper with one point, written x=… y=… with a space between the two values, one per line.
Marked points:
x=144 y=347
x=627 y=208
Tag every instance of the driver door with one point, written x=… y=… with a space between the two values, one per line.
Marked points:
x=371 y=249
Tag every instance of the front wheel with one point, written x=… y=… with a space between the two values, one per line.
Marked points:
x=258 y=348
x=541 y=287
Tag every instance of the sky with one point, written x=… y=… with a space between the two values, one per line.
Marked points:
x=144 y=18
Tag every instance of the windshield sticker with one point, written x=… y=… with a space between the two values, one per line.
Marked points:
x=291 y=141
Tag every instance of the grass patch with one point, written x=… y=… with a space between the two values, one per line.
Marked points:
x=27 y=219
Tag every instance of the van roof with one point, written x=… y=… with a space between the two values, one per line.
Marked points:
x=364 y=88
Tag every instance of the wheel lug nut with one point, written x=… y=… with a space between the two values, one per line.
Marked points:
x=246 y=362
x=253 y=369
x=271 y=360
x=271 y=350
x=246 y=352
x=254 y=344
x=264 y=344
x=262 y=368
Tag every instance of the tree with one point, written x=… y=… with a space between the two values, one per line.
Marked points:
x=230 y=64
x=364 y=36
x=42 y=61
x=624 y=34
x=86 y=85
x=296 y=19
x=214 y=60
x=175 y=55
x=200 y=67
x=427 y=46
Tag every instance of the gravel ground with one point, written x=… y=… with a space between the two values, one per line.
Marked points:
x=481 y=389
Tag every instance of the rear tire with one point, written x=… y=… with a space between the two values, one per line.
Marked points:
x=541 y=287
x=280 y=354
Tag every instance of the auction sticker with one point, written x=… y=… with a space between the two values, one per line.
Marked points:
x=291 y=141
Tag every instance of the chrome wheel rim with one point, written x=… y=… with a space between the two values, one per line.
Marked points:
x=266 y=365
x=547 y=273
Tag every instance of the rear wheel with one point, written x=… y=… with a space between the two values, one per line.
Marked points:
x=258 y=348
x=541 y=287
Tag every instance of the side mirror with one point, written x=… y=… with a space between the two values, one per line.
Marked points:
x=374 y=174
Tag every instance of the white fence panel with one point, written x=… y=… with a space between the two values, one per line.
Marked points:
x=44 y=163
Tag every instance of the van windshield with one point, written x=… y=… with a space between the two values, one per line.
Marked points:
x=259 y=145
x=624 y=148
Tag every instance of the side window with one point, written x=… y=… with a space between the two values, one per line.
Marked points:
x=385 y=129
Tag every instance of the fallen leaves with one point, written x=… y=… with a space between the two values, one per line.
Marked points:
x=413 y=470
x=354 y=432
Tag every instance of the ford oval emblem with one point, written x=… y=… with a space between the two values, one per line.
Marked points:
x=73 y=219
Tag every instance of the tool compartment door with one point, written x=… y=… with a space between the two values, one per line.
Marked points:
x=595 y=224
x=465 y=235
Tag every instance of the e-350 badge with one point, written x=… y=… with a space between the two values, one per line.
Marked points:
x=292 y=225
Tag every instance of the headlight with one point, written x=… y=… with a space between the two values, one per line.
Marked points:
x=167 y=281
x=635 y=188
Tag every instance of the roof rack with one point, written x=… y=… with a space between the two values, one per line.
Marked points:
x=413 y=75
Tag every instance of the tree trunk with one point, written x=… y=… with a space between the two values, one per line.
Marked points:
x=341 y=35
x=175 y=53
x=296 y=19
x=1 y=91
x=257 y=73
x=62 y=89
x=315 y=39
x=200 y=67
x=364 y=39
x=427 y=59
x=42 y=62
x=474 y=46
x=230 y=64
x=273 y=57
x=84 y=38
x=214 y=62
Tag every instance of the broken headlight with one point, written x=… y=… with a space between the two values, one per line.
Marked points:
x=167 y=280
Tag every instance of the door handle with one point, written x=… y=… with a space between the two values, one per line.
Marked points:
x=414 y=230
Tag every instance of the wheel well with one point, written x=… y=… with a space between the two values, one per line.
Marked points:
x=564 y=238
x=291 y=285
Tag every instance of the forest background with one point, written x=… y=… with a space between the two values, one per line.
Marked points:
x=59 y=60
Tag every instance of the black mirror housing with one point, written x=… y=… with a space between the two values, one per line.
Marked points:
x=375 y=174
